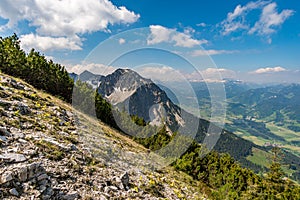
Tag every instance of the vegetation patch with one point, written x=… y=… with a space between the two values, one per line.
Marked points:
x=50 y=150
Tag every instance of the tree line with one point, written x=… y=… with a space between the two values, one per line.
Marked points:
x=34 y=68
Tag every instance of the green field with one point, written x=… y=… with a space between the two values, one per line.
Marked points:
x=287 y=134
x=260 y=157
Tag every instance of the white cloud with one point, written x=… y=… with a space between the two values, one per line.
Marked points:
x=211 y=75
x=242 y=10
x=189 y=30
x=49 y=57
x=169 y=74
x=202 y=24
x=268 y=70
x=210 y=52
x=92 y=67
x=231 y=27
x=265 y=25
x=184 y=40
x=217 y=73
x=45 y=43
x=271 y=75
x=67 y=18
x=236 y=20
x=122 y=41
x=270 y=19
x=161 y=34
x=161 y=73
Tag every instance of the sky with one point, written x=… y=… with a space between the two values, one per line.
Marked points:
x=254 y=41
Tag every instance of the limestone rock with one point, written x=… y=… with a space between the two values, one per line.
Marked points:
x=3 y=139
x=22 y=173
x=6 y=177
x=12 y=157
x=14 y=192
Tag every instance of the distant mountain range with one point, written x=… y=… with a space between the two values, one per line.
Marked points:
x=264 y=114
x=278 y=104
x=273 y=102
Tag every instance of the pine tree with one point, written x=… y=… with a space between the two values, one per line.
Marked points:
x=275 y=174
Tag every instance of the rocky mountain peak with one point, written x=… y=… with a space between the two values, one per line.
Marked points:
x=139 y=96
x=120 y=85
x=127 y=79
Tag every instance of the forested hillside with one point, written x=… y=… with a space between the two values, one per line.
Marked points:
x=34 y=68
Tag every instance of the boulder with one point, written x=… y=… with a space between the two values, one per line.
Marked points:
x=6 y=177
x=14 y=192
x=13 y=157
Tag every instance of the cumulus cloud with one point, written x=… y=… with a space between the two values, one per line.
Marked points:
x=46 y=43
x=161 y=34
x=265 y=25
x=268 y=70
x=184 y=40
x=270 y=19
x=69 y=19
x=92 y=67
x=210 y=52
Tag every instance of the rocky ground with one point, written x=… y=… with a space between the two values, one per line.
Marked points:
x=50 y=151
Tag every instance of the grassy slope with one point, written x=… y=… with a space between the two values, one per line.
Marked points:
x=260 y=157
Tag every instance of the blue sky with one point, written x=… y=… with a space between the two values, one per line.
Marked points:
x=249 y=40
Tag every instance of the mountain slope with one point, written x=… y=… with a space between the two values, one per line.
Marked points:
x=50 y=151
x=139 y=96
x=216 y=170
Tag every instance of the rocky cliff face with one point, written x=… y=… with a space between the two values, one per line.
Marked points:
x=50 y=151
x=120 y=85
x=139 y=96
